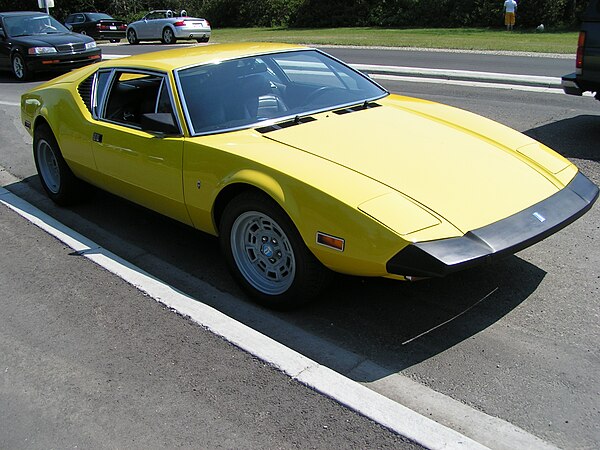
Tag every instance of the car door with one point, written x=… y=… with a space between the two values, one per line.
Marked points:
x=4 y=48
x=137 y=163
x=157 y=26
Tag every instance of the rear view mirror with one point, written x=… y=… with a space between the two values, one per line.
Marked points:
x=159 y=123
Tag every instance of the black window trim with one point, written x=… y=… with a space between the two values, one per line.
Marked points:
x=113 y=73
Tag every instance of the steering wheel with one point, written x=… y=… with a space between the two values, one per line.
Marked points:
x=319 y=92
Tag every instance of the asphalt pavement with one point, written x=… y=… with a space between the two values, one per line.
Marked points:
x=101 y=365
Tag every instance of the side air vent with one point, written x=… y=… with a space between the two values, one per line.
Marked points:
x=365 y=105
x=85 y=92
x=288 y=123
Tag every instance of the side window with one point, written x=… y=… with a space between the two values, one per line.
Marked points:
x=101 y=83
x=79 y=18
x=133 y=94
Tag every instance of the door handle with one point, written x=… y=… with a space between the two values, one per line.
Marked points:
x=97 y=137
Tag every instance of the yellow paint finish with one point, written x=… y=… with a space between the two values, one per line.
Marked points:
x=466 y=178
x=399 y=214
x=307 y=188
x=142 y=167
x=542 y=156
x=168 y=60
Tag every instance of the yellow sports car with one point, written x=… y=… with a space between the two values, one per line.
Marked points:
x=300 y=163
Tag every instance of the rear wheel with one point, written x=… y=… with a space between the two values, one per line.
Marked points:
x=267 y=255
x=19 y=68
x=57 y=179
x=132 y=37
x=168 y=37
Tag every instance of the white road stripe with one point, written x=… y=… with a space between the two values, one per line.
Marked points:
x=375 y=406
x=478 y=84
x=5 y=103
x=494 y=432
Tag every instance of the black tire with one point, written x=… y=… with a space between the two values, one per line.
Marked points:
x=19 y=68
x=266 y=254
x=132 y=37
x=202 y=40
x=168 y=37
x=55 y=175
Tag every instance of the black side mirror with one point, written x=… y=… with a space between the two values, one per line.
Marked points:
x=159 y=123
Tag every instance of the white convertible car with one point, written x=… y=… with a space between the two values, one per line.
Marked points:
x=165 y=25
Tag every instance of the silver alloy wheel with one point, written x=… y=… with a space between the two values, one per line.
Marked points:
x=168 y=36
x=263 y=253
x=48 y=165
x=18 y=66
x=131 y=37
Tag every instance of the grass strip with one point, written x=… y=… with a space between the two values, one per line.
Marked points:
x=451 y=38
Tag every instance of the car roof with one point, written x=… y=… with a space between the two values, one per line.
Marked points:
x=21 y=13
x=168 y=60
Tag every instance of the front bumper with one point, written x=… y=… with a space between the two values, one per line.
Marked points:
x=63 y=61
x=507 y=236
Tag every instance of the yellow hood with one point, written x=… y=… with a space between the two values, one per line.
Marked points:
x=465 y=168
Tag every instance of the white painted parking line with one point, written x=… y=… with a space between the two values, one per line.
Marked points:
x=391 y=400
x=5 y=103
x=369 y=403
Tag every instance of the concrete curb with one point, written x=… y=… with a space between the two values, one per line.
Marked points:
x=462 y=75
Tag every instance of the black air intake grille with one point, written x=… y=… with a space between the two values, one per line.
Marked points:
x=85 y=92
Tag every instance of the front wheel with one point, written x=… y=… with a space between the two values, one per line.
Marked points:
x=266 y=254
x=19 y=68
x=132 y=37
x=57 y=179
x=168 y=37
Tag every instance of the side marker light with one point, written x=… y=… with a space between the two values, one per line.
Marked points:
x=333 y=242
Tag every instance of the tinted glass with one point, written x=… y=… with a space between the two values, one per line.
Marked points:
x=33 y=25
x=244 y=92
x=98 y=16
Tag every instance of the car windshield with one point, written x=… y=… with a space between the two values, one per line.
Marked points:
x=98 y=16
x=33 y=25
x=245 y=92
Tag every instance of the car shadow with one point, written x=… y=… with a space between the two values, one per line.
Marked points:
x=393 y=324
x=576 y=137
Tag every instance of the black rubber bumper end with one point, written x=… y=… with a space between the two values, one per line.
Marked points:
x=507 y=236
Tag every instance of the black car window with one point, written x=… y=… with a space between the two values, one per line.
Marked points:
x=134 y=94
x=29 y=25
x=98 y=16
x=78 y=18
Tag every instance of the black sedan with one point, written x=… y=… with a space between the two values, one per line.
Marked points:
x=97 y=25
x=35 y=42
